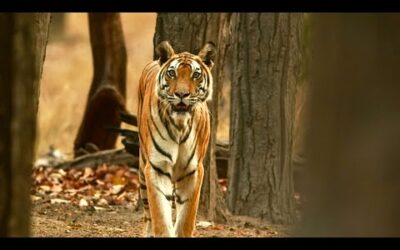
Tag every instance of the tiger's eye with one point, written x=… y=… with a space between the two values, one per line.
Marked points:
x=171 y=73
x=196 y=75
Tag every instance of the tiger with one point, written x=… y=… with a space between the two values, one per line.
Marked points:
x=174 y=133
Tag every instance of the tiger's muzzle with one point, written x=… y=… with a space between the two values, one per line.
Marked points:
x=181 y=107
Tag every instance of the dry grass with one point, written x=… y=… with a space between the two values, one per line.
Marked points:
x=68 y=73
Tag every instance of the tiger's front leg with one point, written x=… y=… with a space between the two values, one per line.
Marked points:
x=159 y=195
x=187 y=194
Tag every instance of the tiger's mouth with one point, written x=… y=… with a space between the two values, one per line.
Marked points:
x=180 y=107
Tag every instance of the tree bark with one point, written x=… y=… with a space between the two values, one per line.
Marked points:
x=57 y=26
x=265 y=70
x=190 y=32
x=354 y=139
x=107 y=93
x=23 y=40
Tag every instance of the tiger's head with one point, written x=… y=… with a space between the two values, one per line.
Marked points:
x=184 y=79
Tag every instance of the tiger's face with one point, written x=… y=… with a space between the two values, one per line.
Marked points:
x=184 y=79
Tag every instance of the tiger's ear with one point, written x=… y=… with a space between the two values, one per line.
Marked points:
x=207 y=54
x=164 y=50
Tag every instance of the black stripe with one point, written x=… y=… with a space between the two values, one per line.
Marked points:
x=146 y=219
x=168 y=197
x=191 y=155
x=158 y=170
x=145 y=201
x=189 y=174
x=170 y=134
x=155 y=125
x=173 y=122
x=161 y=75
x=141 y=175
x=207 y=93
x=159 y=149
x=141 y=140
x=207 y=81
x=141 y=145
x=179 y=199
x=142 y=186
x=190 y=65
x=142 y=178
x=188 y=134
x=142 y=155
x=142 y=161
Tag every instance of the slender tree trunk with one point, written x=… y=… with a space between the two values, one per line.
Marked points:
x=190 y=32
x=265 y=70
x=23 y=40
x=354 y=140
x=107 y=93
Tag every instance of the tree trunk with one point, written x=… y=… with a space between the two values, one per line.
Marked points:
x=23 y=40
x=354 y=120
x=190 y=32
x=57 y=26
x=106 y=97
x=264 y=74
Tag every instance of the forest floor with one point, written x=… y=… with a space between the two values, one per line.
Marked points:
x=102 y=201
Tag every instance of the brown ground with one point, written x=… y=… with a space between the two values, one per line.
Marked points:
x=102 y=202
x=68 y=220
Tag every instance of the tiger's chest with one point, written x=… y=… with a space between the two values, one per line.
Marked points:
x=173 y=147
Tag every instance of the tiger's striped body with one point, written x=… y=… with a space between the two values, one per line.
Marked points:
x=174 y=129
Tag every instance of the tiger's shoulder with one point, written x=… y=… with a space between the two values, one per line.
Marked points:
x=147 y=78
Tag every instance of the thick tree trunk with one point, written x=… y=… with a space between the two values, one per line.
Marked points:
x=190 y=32
x=354 y=131
x=265 y=70
x=23 y=40
x=106 y=97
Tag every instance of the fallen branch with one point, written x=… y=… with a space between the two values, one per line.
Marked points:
x=113 y=157
x=122 y=157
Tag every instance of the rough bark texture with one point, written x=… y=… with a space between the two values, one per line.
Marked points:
x=23 y=40
x=107 y=93
x=190 y=32
x=354 y=120
x=265 y=69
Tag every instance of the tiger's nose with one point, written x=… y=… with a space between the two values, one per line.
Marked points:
x=182 y=94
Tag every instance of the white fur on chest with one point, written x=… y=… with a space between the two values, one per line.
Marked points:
x=183 y=156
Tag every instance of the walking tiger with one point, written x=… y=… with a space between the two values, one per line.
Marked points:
x=174 y=132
